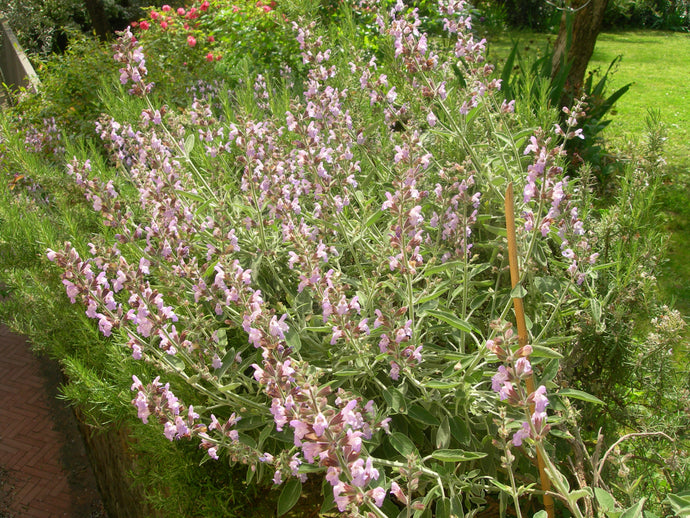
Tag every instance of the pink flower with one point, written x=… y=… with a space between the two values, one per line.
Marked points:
x=166 y=8
x=398 y=493
x=180 y=11
x=320 y=424
x=378 y=494
x=191 y=40
x=521 y=435
x=164 y=25
x=523 y=367
x=395 y=371
x=211 y=39
x=209 y=56
x=154 y=15
x=144 y=25
x=204 y=6
x=540 y=399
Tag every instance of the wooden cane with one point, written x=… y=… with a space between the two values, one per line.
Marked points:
x=522 y=331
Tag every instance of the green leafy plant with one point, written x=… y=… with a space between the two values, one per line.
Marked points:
x=319 y=279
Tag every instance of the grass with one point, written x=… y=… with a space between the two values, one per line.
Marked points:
x=659 y=82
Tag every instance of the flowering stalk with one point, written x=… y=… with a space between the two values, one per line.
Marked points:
x=522 y=332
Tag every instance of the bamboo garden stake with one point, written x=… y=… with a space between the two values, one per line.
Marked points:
x=522 y=330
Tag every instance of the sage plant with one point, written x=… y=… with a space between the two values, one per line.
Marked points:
x=320 y=277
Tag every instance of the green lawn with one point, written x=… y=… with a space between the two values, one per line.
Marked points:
x=659 y=83
x=663 y=84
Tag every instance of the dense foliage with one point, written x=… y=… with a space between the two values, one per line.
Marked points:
x=45 y=27
x=670 y=15
x=299 y=261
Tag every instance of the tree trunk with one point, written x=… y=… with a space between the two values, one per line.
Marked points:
x=585 y=17
x=99 y=20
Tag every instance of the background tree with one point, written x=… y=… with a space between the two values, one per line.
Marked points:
x=580 y=25
x=99 y=18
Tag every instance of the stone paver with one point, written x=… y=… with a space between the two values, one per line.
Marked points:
x=38 y=439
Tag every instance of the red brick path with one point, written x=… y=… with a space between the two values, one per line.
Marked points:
x=44 y=471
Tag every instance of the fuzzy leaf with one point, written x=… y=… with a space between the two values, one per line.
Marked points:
x=175 y=362
x=574 y=496
x=457 y=455
x=289 y=496
x=189 y=144
x=539 y=351
x=451 y=320
x=421 y=414
x=434 y=295
x=292 y=338
x=518 y=292
x=443 y=508
x=395 y=400
x=634 y=511
x=680 y=503
x=605 y=500
x=443 y=434
x=402 y=444
x=579 y=394
x=596 y=310
x=441 y=385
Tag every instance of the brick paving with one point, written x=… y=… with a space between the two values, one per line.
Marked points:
x=44 y=469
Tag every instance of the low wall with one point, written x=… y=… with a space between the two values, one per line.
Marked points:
x=16 y=68
x=111 y=460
